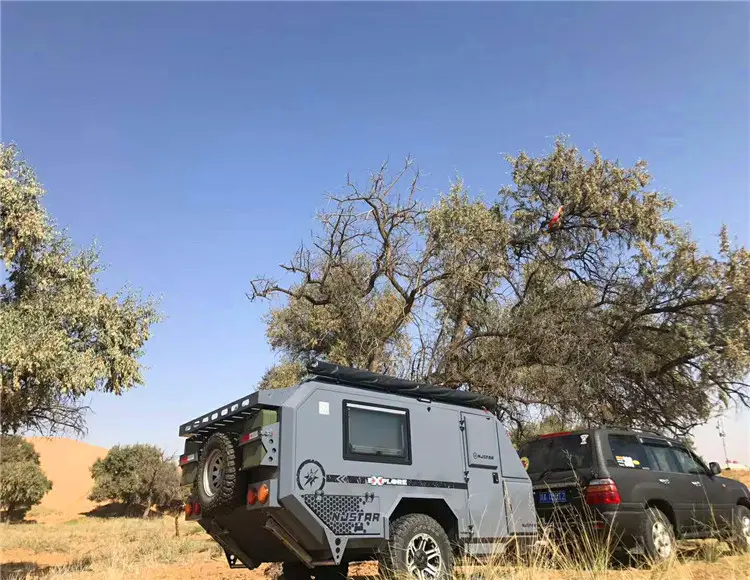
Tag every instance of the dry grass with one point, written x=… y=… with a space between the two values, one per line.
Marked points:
x=97 y=548
x=119 y=549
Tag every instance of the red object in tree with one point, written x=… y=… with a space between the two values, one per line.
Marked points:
x=555 y=219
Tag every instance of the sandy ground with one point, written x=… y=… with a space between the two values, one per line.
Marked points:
x=66 y=463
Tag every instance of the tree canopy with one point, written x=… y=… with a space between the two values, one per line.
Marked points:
x=60 y=338
x=138 y=476
x=23 y=483
x=571 y=293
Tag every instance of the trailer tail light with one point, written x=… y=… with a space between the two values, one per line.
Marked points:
x=196 y=509
x=602 y=492
x=189 y=458
x=263 y=493
x=252 y=496
x=188 y=510
x=247 y=437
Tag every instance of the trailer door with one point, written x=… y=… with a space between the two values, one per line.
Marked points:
x=482 y=464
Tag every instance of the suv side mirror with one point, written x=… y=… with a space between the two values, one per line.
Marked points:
x=715 y=468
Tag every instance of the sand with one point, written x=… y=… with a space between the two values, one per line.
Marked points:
x=67 y=464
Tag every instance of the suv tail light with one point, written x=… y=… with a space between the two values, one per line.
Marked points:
x=602 y=491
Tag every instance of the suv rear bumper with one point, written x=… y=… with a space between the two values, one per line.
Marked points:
x=624 y=525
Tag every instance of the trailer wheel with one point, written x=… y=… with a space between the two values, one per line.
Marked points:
x=218 y=484
x=419 y=548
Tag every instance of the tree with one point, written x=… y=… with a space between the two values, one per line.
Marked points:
x=571 y=294
x=60 y=338
x=138 y=476
x=23 y=483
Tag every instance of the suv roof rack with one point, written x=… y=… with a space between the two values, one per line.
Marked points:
x=369 y=380
x=633 y=429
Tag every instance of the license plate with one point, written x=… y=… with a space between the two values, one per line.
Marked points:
x=552 y=497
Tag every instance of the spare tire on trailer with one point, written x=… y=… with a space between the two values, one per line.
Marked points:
x=218 y=485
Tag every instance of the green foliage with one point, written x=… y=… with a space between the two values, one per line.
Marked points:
x=286 y=374
x=137 y=475
x=608 y=312
x=60 y=338
x=23 y=484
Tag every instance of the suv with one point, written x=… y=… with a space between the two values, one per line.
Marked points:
x=644 y=489
x=350 y=466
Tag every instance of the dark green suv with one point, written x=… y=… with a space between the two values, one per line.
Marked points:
x=646 y=489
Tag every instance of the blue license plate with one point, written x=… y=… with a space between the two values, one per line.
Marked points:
x=552 y=497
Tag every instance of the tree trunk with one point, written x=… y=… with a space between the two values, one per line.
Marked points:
x=148 y=507
x=177 y=525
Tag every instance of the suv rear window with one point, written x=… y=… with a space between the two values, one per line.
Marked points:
x=557 y=453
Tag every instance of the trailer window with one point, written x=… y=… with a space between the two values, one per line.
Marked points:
x=376 y=433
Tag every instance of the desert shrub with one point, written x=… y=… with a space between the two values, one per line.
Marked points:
x=137 y=475
x=23 y=483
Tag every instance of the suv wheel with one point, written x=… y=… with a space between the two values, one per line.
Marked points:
x=218 y=483
x=419 y=548
x=658 y=535
x=740 y=539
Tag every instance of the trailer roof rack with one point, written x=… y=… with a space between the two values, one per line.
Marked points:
x=323 y=370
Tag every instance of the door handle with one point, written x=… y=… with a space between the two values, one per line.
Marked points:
x=696 y=483
x=664 y=481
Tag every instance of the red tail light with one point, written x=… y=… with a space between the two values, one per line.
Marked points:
x=602 y=492
x=252 y=496
x=247 y=437
x=196 y=509
x=550 y=435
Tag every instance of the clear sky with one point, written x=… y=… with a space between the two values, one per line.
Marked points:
x=194 y=140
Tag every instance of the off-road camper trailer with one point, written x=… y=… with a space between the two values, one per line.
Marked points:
x=351 y=465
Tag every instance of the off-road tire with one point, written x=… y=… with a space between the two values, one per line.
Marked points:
x=656 y=529
x=230 y=490
x=739 y=540
x=392 y=559
x=295 y=571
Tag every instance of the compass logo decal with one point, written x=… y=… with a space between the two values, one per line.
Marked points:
x=310 y=475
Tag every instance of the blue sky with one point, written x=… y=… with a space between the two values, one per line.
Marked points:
x=194 y=141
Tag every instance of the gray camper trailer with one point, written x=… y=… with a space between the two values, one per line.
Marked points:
x=352 y=466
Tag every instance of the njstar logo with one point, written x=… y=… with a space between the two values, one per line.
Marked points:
x=483 y=456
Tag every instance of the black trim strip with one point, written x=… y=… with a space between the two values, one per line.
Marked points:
x=362 y=480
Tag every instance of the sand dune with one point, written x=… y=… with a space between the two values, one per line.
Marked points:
x=67 y=463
